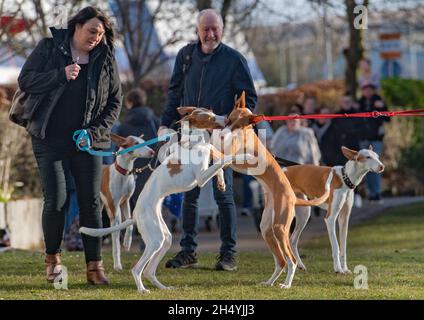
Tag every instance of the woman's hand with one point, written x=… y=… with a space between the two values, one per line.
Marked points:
x=72 y=71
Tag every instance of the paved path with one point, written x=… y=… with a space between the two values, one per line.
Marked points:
x=250 y=240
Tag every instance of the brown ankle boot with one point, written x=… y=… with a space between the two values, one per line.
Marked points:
x=53 y=267
x=96 y=273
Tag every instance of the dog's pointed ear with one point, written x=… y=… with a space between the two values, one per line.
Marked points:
x=185 y=110
x=129 y=142
x=117 y=139
x=370 y=148
x=241 y=101
x=187 y=117
x=141 y=136
x=349 y=154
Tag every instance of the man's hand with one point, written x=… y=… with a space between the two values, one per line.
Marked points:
x=83 y=143
x=72 y=71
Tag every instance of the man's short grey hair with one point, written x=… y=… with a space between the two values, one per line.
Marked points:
x=206 y=11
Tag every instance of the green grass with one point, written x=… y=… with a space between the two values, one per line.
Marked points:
x=390 y=246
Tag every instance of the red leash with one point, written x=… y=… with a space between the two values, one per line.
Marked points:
x=373 y=114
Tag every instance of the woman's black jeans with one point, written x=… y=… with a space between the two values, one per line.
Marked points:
x=53 y=160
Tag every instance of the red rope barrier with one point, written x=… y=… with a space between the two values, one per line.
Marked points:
x=373 y=114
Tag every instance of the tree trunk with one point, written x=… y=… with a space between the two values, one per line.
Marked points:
x=355 y=51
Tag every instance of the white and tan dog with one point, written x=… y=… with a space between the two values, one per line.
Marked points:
x=173 y=175
x=117 y=187
x=309 y=181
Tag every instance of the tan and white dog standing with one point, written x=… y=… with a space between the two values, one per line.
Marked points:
x=117 y=187
x=309 y=181
x=173 y=175
x=280 y=200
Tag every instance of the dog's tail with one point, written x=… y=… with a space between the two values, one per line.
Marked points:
x=102 y=232
x=320 y=200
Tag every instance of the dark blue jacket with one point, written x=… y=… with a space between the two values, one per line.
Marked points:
x=372 y=129
x=212 y=82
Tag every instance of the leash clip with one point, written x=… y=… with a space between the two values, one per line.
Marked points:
x=376 y=114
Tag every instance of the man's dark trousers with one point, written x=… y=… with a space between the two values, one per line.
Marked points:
x=227 y=215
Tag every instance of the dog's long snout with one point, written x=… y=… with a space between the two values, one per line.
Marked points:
x=380 y=168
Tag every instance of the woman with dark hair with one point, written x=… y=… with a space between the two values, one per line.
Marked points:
x=73 y=83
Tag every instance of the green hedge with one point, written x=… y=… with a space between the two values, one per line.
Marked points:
x=408 y=94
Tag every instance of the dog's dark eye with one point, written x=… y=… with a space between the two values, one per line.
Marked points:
x=368 y=157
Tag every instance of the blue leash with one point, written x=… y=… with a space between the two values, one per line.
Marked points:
x=81 y=135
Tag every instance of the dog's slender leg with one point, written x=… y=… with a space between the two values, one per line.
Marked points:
x=343 y=222
x=204 y=176
x=220 y=180
x=116 y=242
x=270 y=239
x=277 y=272
x=281 y=230
x=126 y=212
x=302 y=217
x=150 y=270
x=137 y=270
x=291 y=269
x=152 y=236
x=333 y=211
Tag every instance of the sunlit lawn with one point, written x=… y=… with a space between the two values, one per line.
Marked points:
x=391 y=247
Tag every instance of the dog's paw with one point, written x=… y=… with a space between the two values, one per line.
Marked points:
x=228 y=159
x=143 y=291
x=118 y=267
x=221 y=187
x=346 y=271
x=338 y=269
x=127 y=244
x=302 y=267
x=285 y=286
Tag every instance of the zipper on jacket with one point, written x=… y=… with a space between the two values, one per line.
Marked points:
x=200 y=87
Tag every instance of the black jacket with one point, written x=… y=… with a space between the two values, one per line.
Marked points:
x=328 y=137
x=43 y=77
x=212 y=81
x=348 y=129
x=372 y=128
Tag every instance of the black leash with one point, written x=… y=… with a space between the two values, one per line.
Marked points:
x=285 y=162
x=155 y=158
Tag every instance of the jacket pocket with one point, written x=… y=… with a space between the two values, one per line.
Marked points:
x=31 y=105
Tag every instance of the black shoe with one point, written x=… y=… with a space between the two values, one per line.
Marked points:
x=182 y=259
x=226 y=261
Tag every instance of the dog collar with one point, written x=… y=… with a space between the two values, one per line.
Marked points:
x=121 y=170
x=346 y=179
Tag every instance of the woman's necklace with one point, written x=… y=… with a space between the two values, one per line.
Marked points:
x=78 y=57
